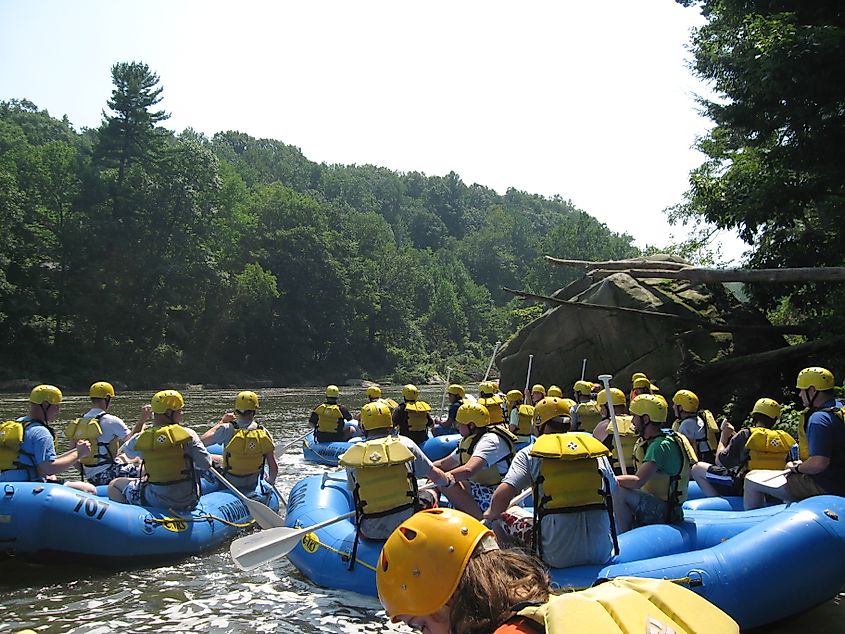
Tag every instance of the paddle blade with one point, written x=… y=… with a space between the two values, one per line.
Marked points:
x=263 y=515
x=261 y=548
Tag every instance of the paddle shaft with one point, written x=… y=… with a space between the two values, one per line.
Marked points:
x=492 y=357
x=279 y=452
x=528 y=374
x=605 y=378
x=445 y=389
x=263 y=515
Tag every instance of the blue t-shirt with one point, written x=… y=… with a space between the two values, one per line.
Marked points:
x=826 y=437
x=37 y=447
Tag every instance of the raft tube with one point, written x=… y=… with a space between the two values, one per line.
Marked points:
x=51 y=522
x=726 y=556
x=328 y=453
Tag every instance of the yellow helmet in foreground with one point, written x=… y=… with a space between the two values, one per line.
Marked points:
x=167 y=400
x=48 y=393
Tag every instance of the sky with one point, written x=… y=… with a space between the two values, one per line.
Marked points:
x=591 y=101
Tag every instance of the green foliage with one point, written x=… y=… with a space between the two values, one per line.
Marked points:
x=774 y=167
x=151 y=257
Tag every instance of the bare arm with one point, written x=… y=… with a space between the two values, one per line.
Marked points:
x=502 y=497
x=636 y=481
x=66 y=460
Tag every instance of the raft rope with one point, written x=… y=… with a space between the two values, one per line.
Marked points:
x=345 y=555
x=168 y=520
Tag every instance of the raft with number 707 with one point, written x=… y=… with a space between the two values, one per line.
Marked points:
x=735 y=559
x=51 y=522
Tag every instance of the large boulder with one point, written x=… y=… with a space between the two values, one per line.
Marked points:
x=621 y=343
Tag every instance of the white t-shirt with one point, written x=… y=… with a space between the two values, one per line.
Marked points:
x=694 y=429
x=569 y=539
x=113 y=427
x=492 y=449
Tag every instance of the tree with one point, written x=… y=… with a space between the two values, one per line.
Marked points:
x=775 y=169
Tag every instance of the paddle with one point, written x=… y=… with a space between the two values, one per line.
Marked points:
x=279 y=452
x=605 y=378
x=445 y=389
x=528 y=374
x=490 y=365
x=257 y=549
x=263 y=515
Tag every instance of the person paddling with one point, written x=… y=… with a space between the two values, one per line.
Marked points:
x=172 y=456
x=247 y=446
x=329 y=419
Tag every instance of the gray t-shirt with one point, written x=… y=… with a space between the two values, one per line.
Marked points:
x=693 y=428
x=223 y=435
x=493 y=450
x=569 y=539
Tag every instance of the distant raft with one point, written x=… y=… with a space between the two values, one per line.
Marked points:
x=51 y=523
x=328 y=453
x=734 y=559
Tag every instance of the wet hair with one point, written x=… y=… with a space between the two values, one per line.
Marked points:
x=492 y=584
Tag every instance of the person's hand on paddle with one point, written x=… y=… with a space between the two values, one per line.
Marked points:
x=728 y=431
x=146 y=414
x=83 y=449
x=793 y=466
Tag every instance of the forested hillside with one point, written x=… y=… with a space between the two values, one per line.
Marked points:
x=135 y=254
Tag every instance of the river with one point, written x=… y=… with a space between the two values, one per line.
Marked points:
x=207 y=593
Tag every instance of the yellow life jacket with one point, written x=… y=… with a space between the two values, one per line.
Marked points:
x=329 y=418
x=672 y=489
x=166 y=460
x=627 y=438
x=711 y=429
x=489 y=475
x=90 y=429
x=803 y=446
x=494 y=407
x=11 y=437
x=389 y=402
x=384 y=482
x=570 y=479
x=417 y=415
x=244 y=453
x=525 y=416
x=768 y=448
x=629 y=604
x=588 y=416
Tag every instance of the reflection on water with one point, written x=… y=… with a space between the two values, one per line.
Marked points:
x=207 y=593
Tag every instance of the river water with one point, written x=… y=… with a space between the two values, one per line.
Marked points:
x=208 y=593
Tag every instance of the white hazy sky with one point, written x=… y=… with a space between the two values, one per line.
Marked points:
x=589 y=100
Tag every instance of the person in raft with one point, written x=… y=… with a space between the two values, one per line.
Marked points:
x=329 y=419
x=413 y=417
x=27 y=444
x=520 y=416
x=757 y=446
x=662 y=458
x=172 y=456
x=382 y=473
x=442 y=572
x=106 y=432
x=479 y=461
x=820 y=469
x=374 y=394
x=585 y=416
x=247 y=447
x=624 y=426
x=456 y=395
x=570 y=475
x=537 y=394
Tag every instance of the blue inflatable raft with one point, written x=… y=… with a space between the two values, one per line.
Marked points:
x=734 y=559
x=327 y=453
x=50 y=522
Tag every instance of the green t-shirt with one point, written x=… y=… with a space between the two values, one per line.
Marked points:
x=665 y=453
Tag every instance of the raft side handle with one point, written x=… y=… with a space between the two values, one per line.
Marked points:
x=9 y=490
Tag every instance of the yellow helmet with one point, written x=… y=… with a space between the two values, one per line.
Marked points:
x=514 y=396
x=49 y=393
x=374 y=391
x=554 y=390
x=474 y=413
x=457 y=390
x=538 y=388
x=584 y=388
x=570 y=402
x=246 y=401
x=616 y=395
x=332 y=391
x=638 y=375
x=101 y=389
x=652 y=406
x=376 y=415
x=495 y=386
x=486 y=387
x=687 y=400
x=410 y=392
x=548 y=408
x=816 y=377
x=641 y=382
x=423 y=560
x=767 y=407
x=167 y=400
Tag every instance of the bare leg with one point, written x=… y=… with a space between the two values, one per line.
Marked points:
x=699 y=474
x=116 y=488
x=82 y=486
x=622 y=511
x=755 y=490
